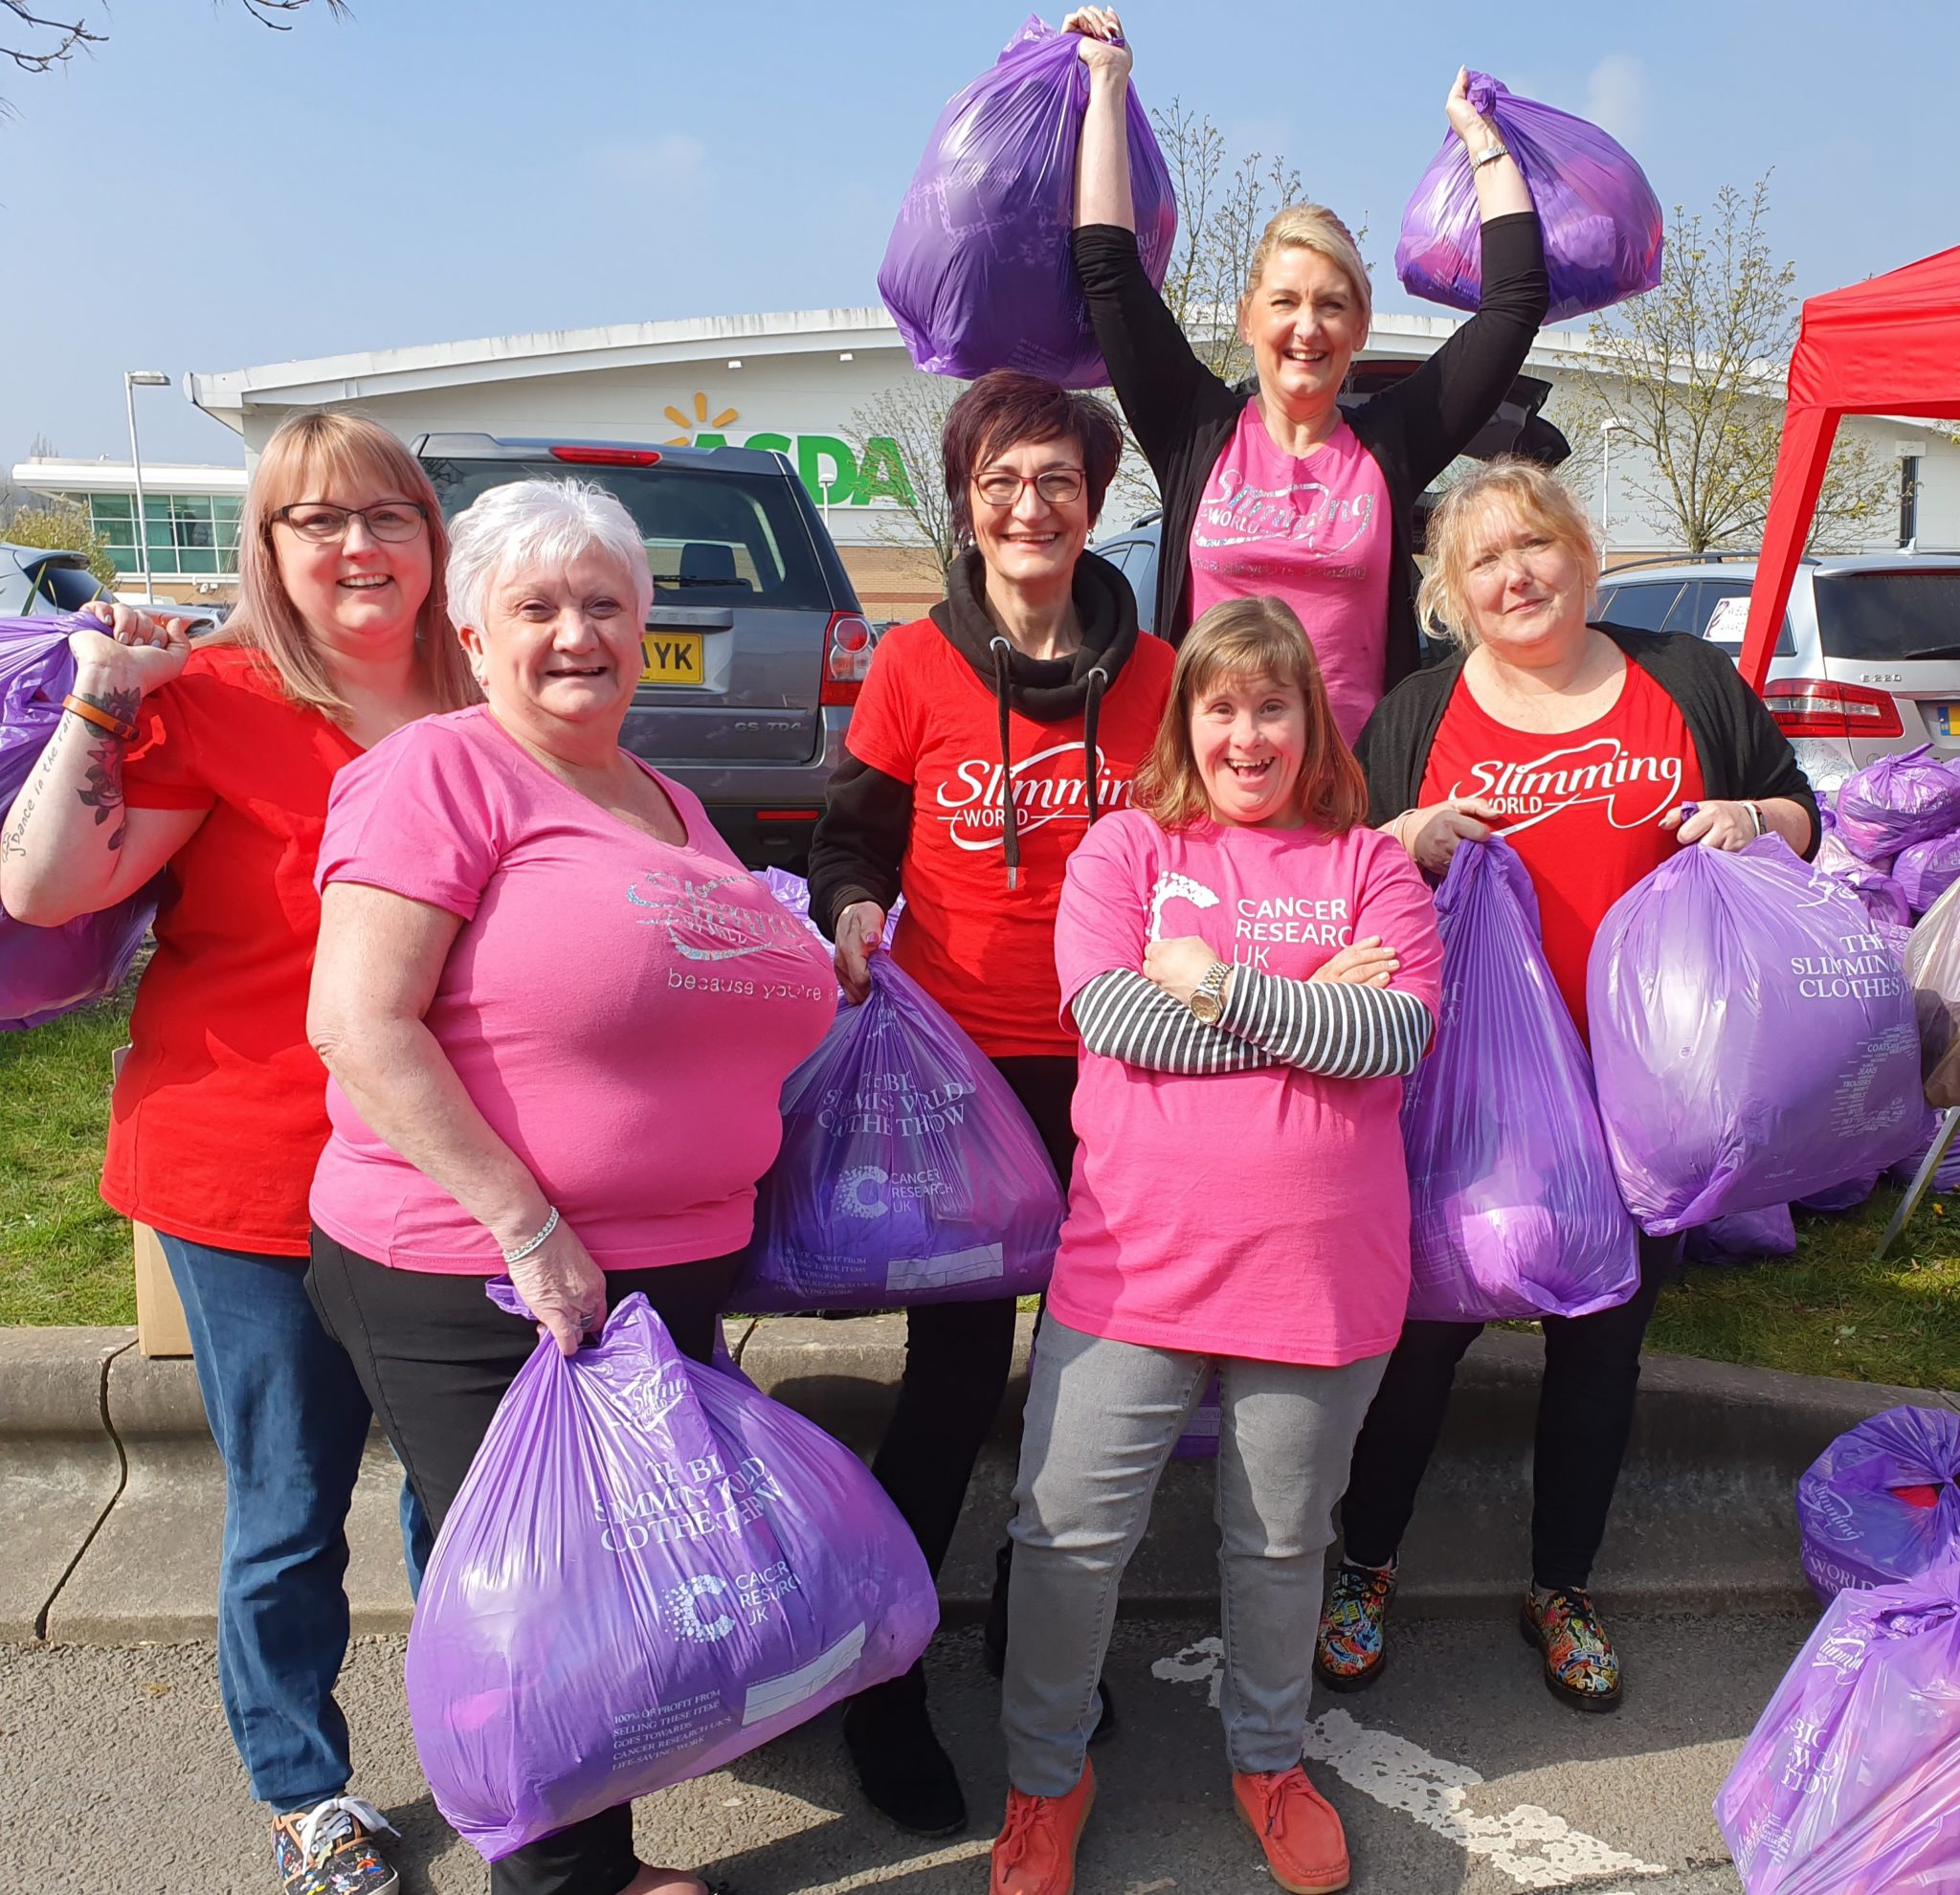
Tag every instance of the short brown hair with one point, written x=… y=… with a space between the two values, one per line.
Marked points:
x=306 y=453
x=1238 y=639
x=1006 y=408
x=1543 y=502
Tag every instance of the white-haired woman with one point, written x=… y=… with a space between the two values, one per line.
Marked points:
x=217 y=764
x=557 y=1012
x=1277 y=495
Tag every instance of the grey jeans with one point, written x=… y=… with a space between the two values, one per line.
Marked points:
x=1102 y=1419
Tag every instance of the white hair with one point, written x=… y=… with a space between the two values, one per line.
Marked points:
x=539 y=522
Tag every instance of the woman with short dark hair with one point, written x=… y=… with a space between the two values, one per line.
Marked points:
x=989 y=735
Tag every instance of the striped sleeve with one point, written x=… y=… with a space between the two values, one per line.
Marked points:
x=1124 y=1017
x=1334 y=1028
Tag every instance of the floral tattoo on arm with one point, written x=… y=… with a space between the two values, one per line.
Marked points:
x=104 y=793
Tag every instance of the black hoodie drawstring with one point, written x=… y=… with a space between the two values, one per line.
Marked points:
x=1092 y=708
x=1011 y=834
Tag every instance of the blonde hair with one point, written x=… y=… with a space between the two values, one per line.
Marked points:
x=1456 y=529
x=1311 y=227
x=1244 y=638
x=308 y=454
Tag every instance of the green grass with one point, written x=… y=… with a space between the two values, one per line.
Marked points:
x=64 y=1254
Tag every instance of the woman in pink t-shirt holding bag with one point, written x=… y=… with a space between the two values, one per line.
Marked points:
x=1252 y=971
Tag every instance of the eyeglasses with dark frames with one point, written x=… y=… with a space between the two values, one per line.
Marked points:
x=1057 y=485
x=325 y=526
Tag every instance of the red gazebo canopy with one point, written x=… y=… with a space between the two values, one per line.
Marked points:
x=1887 y=346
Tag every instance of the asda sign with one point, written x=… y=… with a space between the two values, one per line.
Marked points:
x=835 y=471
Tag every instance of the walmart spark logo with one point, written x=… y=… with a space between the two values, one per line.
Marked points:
x=698 y=419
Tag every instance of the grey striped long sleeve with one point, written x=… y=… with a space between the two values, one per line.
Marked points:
x=1124 y=1017
x=1332 y=1027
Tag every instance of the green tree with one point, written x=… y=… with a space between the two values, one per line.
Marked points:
x=65 y=527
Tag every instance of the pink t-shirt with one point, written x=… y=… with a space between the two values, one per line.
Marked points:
x=621 y=1011
x=1313 y=532
x=1261 y=1214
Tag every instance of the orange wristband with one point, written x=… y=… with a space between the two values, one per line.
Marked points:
x=101 y=720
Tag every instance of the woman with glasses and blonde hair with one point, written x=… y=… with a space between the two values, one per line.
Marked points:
x=989 y=735
x=1279 y=493
x=1252 y=971
x=214 y=764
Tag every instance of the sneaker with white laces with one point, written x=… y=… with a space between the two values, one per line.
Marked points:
x=331 y=1849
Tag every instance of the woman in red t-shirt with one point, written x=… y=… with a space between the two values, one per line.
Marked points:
x=988 y=736
x=1579 y=746
x=215 y=765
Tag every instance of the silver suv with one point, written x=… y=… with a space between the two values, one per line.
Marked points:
x=755 y=647
x=1866 y=661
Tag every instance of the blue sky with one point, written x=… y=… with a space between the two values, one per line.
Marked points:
x=203 y=193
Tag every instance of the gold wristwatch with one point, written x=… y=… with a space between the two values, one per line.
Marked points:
x=1208 y=997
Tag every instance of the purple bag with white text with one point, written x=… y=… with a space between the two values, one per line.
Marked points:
x=1513 y=1211
x=1880 y=1504
x=1754 y=1039
x=1896 y=801
x=1850 y=1782
x=650 y=1571
x=1599 y=215
x=47 y=972
x=979 y=274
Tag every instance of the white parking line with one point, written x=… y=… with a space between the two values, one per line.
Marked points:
x=1535 y=1848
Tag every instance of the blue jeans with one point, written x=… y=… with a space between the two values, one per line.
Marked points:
x=291 y=1422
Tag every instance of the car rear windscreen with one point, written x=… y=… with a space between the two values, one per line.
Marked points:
x=69 y=587
x=1895 y=615
x=712 y=538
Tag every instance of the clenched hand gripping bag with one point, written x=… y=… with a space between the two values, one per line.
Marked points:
x=1601 y=217
x=1766 y=1233
x=792 y=892
x=1753 y=1041
x=651 y=1569
x=45 y=971
x=1880 y=1504
x=978 y=273
x=1896 y=801
x=1850 y=1782
x=1514 y=1210
x=908 y=1172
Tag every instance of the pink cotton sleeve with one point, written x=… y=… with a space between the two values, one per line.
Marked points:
x=416 y=816
x=1102 y=923
x=1395 y=904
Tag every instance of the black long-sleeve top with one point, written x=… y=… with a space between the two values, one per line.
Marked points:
x=1182 y=414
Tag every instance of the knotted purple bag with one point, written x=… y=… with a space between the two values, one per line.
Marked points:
x=978 y=274
x=1599 y=215
x=1513 y=1208
x=1880 y=1504
x=651 y=1569
x=47 y=972
x=1896 y=801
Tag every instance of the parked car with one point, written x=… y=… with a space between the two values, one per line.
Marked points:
x=1516 y=428
x=1866 y=661
x=755 y=645
x=35 y=581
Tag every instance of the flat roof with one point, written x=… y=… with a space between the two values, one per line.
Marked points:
x=48 y=474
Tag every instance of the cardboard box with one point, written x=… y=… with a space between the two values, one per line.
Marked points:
x=160 y=1326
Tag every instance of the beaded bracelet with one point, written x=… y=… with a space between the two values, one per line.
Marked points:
x=537 y=1243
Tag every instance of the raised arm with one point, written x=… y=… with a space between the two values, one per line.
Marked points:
x=1103 y=193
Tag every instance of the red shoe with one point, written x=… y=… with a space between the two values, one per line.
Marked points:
x=1035 y=1851
x=1307 y=1850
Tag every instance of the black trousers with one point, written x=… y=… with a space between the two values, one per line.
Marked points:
x=957 y=1358
x=435 y=1356
x=1585 y=1414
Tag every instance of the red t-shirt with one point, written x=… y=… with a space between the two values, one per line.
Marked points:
x=986 y=951
x=220 y=1113
x=1582 y=807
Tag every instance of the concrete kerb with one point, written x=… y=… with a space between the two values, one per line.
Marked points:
x=1703 y=1515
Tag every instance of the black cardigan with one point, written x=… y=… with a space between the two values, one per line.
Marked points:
x=1182 y=414
x=1742 y=752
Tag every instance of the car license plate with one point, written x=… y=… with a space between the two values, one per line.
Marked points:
x=671 y=658
x=1945 y=719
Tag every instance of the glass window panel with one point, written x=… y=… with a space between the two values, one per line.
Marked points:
x=197 y=559
x=107 y=508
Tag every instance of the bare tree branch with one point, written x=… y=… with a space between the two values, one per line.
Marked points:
x=912 y=416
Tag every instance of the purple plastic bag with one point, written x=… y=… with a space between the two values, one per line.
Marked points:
x=792 y=892
x=47 y=972
x=1513 y=1208
x=1766 y=1233
x=1879 y=1504
x=978 y=274
x=1199 y=1440
x=1895 y=802
x=1601 y=221
x=1754 y=1039
x=1948 y=1176
x=1846 y=1196
x=908 y=1172
x=1884 y=897
x=1850 y=1782
x=650 y=1570
x=1925 y=870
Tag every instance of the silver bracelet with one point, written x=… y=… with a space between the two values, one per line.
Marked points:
x=537 y=1243
x=1490 y=155
x=1757 y=817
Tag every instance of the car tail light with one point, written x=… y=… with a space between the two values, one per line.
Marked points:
x=607 y=456
x=1817 y=708
x=847 y=649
